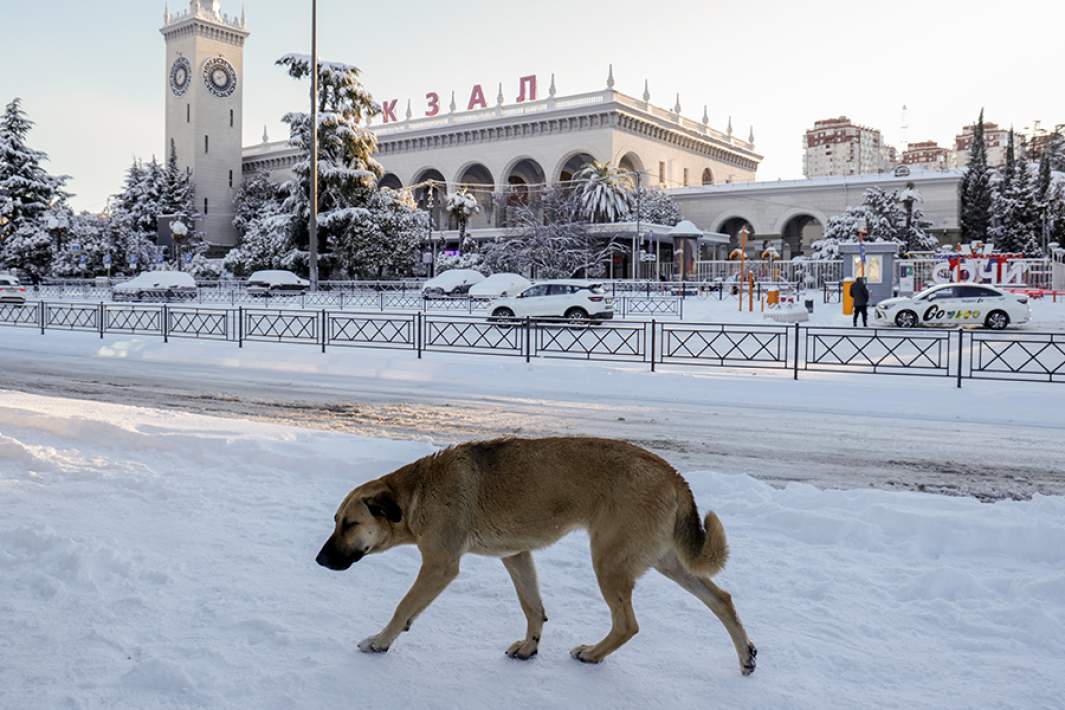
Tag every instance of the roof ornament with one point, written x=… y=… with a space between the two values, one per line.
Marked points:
x=706 y=116
x=646 y=92
x=610 y=78
x=676 y=106
x=409 y=112
x=266 y=134
x=750 y=137
x=729 y=130
x=551 y=90
x=452 y=106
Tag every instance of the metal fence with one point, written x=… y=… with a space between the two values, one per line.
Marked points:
x=1023 y=356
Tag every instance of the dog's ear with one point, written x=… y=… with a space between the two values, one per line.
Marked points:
x=383 y=505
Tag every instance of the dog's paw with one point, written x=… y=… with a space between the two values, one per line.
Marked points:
x=374 y=644
x=748 y=665
x=523 y=650
x=584 y=654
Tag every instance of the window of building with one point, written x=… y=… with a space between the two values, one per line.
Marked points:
x=205 y=205
x=188 y=113
x=662 y=172
x=230 y=118
x=685 y=177
x=206 y=144
x=231 y=178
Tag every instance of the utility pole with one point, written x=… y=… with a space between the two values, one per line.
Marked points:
x=313 y=226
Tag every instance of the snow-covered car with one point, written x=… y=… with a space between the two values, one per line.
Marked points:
x=156 y=286
x=276 y=283
x=456 y=282
x=11 y=291
x=955 y=304
x=573 y=300
x=498 y=285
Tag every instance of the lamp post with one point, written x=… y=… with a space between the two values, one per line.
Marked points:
x=429 y=221
x=313 y=226
x=908 y=197
x=636 y=236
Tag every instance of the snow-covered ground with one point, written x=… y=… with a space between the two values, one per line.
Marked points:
x=990 y=439
x=158 y=560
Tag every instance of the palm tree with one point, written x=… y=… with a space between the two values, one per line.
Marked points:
x=605 y=194
x=462 y=205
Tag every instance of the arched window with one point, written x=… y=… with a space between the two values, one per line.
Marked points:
x=708 y=177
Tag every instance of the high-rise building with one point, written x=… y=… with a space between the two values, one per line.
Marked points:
x=996 y=140
x=1042 y=137
x=204 y=96
x=838 y=146
x=928 y=154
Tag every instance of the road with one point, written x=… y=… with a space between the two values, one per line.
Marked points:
x=820 y=442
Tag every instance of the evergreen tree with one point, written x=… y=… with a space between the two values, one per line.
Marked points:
x=265 y=231
x=975 y=189
x=884 y=218
x=134 y=212
x=177 y=201
x=28 y=194
x=347 y=172
x=655 y=207
x=381 y=237
x=87 y=240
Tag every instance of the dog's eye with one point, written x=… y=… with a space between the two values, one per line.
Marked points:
x=349 y=524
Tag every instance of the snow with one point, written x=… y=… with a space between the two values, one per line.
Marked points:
x=276 y=277
x=156 y=559
x=450 y=280
x=158 y=279
x=500 y=285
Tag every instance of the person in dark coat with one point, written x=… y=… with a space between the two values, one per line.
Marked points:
x=860 y=296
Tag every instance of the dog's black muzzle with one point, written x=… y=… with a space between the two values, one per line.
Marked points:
x=331 y=558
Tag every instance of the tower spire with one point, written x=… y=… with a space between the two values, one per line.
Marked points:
x=610 y=77
x=646 y=92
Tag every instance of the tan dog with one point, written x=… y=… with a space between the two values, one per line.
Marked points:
x=507 y=497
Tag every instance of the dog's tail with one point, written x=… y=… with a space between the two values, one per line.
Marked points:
x=701 y=546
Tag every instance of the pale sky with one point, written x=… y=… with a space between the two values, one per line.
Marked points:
x=92 y=75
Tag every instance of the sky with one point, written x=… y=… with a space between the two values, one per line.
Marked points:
x=92 y=76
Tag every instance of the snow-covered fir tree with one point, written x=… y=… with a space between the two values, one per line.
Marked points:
x=28 y=195
x=381 y=237
x=347 y=171
x=884 y=218
x=86 y=241
x=266 y=239
x=975 y=190
x=134 y=213
x=177 y=199
x=655 y=207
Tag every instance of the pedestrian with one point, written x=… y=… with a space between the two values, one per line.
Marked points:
x=860 y=296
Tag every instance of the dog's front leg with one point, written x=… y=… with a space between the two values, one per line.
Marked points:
x=432 y=579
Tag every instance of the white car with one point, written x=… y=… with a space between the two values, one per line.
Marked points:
x=498 y=285
x=456 y=282
x=275 y=282
x=955 y=304
x=10 y=290
x=576 y=301
x=156 y=286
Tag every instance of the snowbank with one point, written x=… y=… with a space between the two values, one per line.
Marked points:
x=151 y=559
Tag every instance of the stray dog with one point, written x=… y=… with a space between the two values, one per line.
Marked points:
x=508 y=497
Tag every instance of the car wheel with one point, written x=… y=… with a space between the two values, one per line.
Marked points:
x=906 y=319
x=140 y=295
x=576 y=315
x=502 y=315
x=997 y=320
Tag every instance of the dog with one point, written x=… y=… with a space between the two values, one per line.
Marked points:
x=508 y=497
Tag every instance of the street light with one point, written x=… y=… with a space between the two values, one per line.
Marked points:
x=313 y=226
x=429 y=221
x=908 y=197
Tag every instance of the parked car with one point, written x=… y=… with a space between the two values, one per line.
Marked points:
x=156 y=286
x=456 y=282
x=498 y=285
x=11 y=291
x=276 y=283
x=576 y=301
x=955 y=304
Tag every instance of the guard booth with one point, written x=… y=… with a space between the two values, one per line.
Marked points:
x=878 y=268
x=691 y=245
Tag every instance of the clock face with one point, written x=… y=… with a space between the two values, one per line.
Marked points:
x=180 y=76
x=220 y=77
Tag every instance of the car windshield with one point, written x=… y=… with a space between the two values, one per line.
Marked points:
x=929 y=293
x=597 y=289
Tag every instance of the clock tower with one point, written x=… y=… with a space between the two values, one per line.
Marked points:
x=204 y=107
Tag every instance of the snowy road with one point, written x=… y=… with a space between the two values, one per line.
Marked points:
x=991 y=440
x=155 y=560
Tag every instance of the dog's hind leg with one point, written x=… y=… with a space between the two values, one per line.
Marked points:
x=617 y=576
x=719 y=601
x=523 y=573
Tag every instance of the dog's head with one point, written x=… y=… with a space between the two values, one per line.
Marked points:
x=362 y=525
